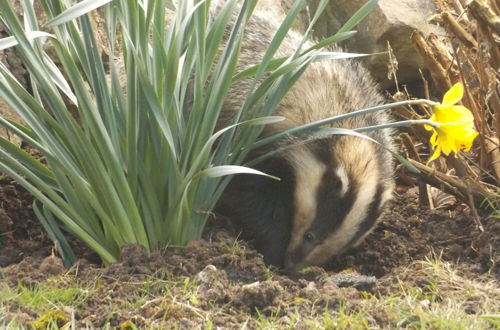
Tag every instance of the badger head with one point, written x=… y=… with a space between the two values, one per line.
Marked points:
x=340 y=187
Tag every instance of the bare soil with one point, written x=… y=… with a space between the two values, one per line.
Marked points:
x=232 y=282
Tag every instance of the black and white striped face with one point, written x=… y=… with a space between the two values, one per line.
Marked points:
x=338 y=196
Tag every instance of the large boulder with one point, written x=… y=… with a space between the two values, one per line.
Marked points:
x=392 y=21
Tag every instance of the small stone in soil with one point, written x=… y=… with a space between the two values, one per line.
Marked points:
x=359 y=282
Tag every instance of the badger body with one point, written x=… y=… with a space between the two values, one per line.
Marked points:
x=332 y=190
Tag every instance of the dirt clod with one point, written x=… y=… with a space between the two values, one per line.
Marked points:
x=52 y=265
x=258 y=295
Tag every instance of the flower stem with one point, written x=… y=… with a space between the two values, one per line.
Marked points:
x=397 y=124
x=308 y=127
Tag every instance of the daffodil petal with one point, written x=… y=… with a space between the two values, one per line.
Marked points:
x=446 y=148
x=454 y=94
x=447 y=142
x=433 y=139
x=430 y=127
x=467 y=144
x=436 y=154
x=463 y=110
x=462 y=113
x=452 y=114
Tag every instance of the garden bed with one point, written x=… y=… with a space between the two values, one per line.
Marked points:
x=431 y=268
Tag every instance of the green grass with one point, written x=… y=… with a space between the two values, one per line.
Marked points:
x=429 y=294
x=493 y=204
x=49 y=300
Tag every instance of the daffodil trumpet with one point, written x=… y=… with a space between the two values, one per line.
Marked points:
x=455 y=124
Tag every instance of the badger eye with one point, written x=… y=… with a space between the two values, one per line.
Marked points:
x=336 y=182
x=309 y=237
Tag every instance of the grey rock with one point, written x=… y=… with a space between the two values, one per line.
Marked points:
x=392 y=21
x=359 y=282
x=208 y=274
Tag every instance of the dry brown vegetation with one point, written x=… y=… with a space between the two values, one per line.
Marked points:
x=468 y=51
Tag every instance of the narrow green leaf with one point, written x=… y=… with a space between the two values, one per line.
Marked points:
x=337 y=131
x=326 y=56
x=204 y=152
x=252 y=71
x=29 y=161
x=58 y=78
x=223 y=170
x=336 y=38
x=493 y=319
x=12 y=41
x=305 y=129
x=77 y=10
x=55 y=207
x=319 y=133
x=52 y=228
x=22 y=131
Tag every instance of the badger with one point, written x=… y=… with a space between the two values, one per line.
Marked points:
x=332 y=191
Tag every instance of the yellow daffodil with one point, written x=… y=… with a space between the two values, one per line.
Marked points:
x=453 y=124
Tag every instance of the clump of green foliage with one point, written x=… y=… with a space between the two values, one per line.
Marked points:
x=140 y=163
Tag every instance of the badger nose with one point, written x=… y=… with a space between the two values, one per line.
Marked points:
x=291 y=263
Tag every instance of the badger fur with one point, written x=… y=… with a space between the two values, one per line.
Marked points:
x=333 y=190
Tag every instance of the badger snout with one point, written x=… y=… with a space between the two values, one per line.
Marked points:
x=292 y=263
x=297 y=259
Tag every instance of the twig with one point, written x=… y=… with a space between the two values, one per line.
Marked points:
x=423 y=196
x=438 y=72
x=473 y=209
x=463 y=172
x=493 y=148
x=453 y=185
x=392 y=66
x=464 y=36
x=463 y=238
x=482 y=12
